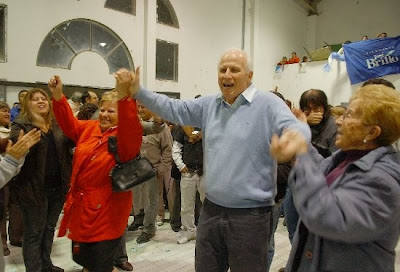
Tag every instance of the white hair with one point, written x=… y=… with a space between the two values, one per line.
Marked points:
x=249 y=63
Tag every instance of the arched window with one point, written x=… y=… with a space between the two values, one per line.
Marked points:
x=166 y=14
x=3 y=14
x=68 y=39
x=125 y=6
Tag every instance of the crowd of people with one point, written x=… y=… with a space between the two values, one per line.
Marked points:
x=379 y=35
x=293 y=59
x=333 y=171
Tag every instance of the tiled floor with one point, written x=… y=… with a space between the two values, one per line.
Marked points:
x=162 y=254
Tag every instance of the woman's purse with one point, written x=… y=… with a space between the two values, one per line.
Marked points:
x=127 y=175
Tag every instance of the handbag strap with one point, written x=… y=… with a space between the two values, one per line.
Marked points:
x=112 y=147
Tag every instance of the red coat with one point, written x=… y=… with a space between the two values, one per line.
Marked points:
x=92 y=211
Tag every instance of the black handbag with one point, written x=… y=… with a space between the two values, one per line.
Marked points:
x=127 y=175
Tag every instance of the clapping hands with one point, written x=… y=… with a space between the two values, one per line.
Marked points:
x=24 y=143
x=290 y=144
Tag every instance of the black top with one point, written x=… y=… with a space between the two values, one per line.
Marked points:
x=52 y=179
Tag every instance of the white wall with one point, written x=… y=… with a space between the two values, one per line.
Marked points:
x=280 y=29
x=342 y=20
x=207 y=29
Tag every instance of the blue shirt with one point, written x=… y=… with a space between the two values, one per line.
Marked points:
x=238 y=169
x=14 y=112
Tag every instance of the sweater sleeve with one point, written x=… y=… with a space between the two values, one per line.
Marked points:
x=183 y=112
x=152 y=127
x=129 y=129
x=166 y=152
x=9 y=167
x=177 y=155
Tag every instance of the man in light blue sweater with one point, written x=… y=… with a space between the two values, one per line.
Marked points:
x=239 y=173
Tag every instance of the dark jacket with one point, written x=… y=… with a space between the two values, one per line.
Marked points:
x=354 y=224
x=28 y=186
x=323 y=138
x=191 y=153
x=282 y=176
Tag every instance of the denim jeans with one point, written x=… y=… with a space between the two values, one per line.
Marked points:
x=291 y=214
x=232 y=238
x=276 y=214
x=39 y=224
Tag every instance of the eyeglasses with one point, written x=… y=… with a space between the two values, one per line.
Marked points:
x=353 y=118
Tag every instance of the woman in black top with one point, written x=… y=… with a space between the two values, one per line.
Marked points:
x=41 y=185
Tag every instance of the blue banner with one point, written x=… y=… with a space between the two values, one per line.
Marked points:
x=372 y=58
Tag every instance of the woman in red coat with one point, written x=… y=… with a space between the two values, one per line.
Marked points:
x=95 y=216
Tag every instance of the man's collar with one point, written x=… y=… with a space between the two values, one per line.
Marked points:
x=248 y=94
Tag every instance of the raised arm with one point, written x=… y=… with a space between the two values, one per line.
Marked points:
x=183 y=112
x=71 y=127
x=129 y=128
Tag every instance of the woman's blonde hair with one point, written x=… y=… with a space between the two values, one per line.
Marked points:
x=26 y=111
x=380 y=106
x=109 y=96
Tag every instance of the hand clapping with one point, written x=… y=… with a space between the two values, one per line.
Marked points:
x=24 y=143
x=291 y=143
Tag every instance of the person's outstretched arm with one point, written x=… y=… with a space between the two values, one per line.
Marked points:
x=71 y=126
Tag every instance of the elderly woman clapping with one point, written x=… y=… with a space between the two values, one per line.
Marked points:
x=349 y=203
x=94 y=215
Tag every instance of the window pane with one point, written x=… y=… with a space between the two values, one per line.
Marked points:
x=3 y=10
x=76 y=34
x=166 y=13
x=103 y=41
x=119 y=58
x=70 y=38
x=126 y=6
x=166 y=60
x=54 y=52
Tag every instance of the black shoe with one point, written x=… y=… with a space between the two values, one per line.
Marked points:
x=134 y=226
x=127 y=266
x=53 y=268
x=176 y=229
x=6 y=251
x=144 y=238
x=17 y=244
